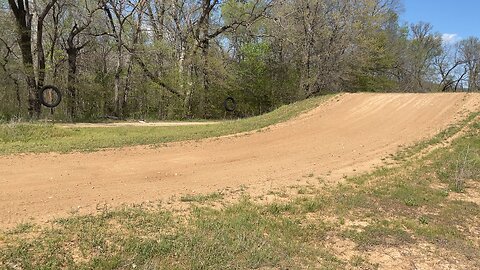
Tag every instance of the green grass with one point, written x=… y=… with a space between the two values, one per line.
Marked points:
x=201 y=198
x=408 y=152
x=37 y=138
x=400 y=207
x=242 y=236
x=413 y=201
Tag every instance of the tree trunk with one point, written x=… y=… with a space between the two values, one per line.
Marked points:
x=24 y=25
x=204 y=44
x=309 y=42
x=40 y=55
x=117 y=81
x=23 y=18
x=18 y=96
x=204 y=99
x=72 y=53
x=126 y=91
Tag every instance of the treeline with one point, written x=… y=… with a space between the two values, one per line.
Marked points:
x=170 y=59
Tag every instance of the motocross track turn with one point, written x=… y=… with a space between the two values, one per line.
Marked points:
x=347 y=134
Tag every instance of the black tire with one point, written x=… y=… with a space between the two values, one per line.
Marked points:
x=230 y=104
x=55 y=102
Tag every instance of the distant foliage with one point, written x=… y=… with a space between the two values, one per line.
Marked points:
x=169 y=59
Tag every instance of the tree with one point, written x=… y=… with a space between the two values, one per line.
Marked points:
x=5 y=64
x=470 y=54
x=170 y=59
x=450 y=66
x=73 y=43
x=35 y=73
x=9 y=72
x=119 y=12
x=424 y=47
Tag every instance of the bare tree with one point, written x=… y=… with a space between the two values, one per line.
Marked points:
x=470 y=53
x=5 y=63
x=119 y=12
x=83 y=15
x=425 y=46
x=447 y=63
x=23 y=16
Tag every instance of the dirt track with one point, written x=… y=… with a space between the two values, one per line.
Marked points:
x=346 y=134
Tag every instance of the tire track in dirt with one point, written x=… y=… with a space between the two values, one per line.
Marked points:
x=345 y=135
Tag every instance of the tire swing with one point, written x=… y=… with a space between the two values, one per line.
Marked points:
x=50 y=96
x=230 y=104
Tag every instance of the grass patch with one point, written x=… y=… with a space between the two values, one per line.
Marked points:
x=410 y=204
x=381 y=233
x=37 y=138
x=410 y=151
x=200 y=198
x=238 y=237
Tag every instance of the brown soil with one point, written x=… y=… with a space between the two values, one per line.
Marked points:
x=346 y=135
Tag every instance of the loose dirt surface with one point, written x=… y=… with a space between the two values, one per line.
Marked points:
x=346 y=135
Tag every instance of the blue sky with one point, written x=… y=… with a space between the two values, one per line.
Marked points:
x=454 y=19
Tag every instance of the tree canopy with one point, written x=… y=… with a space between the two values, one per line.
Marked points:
x=173 y=59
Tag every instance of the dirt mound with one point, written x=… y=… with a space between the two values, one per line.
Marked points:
x=348 y=134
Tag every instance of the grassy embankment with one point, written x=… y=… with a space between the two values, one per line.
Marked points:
x=38 y=138
x=424 y=211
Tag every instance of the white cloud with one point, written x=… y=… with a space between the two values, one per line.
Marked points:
x=450 y=38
